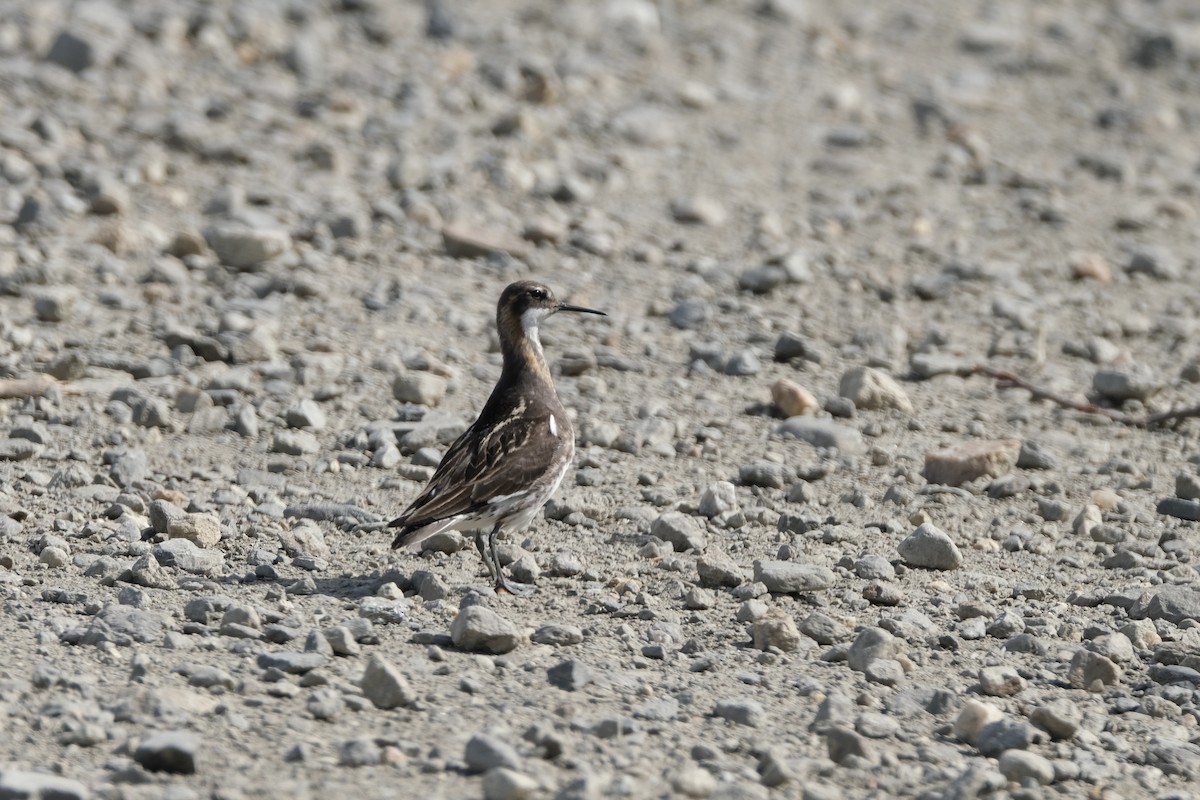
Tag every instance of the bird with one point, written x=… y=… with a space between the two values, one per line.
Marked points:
x=499 y=473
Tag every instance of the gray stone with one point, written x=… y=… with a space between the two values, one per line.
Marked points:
x=244 y=247
x=502 y=783
x=766 y=474
x=741 y=710
x=480 y=628
x=716 y=570
x=291 y=662
x=21 y=785
x=1006 y=734
x=872 y=644
x=182 y=554
x=788 y=577
x=421 y=388
x=1000 y=681
x=360 y=753
x=1059 y=717
x=1122 y=385
x=679 y=530
x=306 y=414
x=824 y=629
x=718 y=498
x=169 y=751
x=1171 y=603
x=484 y=752
x=294 y=443
x=930 y=548
x=1024 y=768
x=871 y=388
x=202 y=530
x=1092 y=671
x=843 y=744
x=824 y=433
x=557 y=635
x=384 y=686
x=571 y=675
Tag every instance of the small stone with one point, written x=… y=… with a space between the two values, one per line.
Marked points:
x=1091 y=671
x=824 y=629
x=718 y=570
x=717 y=499
x=679 y=530
x=930 y=548
x=1023 y=767
x=1156 y=262
x=789 y=577
x=360 y=753
x=973 y=718
x=502 y=783
x=1121 y=385
x=570 y=676
x=170 y=751
x=202 y=530
x=956 y=465
x=694 y=781
x=480 y=628
x=766 y=474
x=742 y=711
x=21 y=785
x=306 y=414
x=1090 y=266
x=557 y=635
x=291 y=662
x=871 y=388
x=1006 y=734
x=777 y=629
x=1060 y=717
x=698 y=210
x=294 y=443
x=1000 y=681
x=384 y=686
x=872 y=644
x=484 y=752
x=824 y=433
x=421 y=388
x=792 y=399
x=844 y=744
x=244 y=247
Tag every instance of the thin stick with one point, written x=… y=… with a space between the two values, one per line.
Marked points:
x=1042 y=393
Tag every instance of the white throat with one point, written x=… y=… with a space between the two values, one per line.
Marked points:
x=530 y=321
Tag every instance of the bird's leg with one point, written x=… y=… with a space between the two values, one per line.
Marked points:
x=502 y=582
x=483 y=553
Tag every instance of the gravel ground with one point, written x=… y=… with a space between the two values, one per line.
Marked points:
x=249 y=259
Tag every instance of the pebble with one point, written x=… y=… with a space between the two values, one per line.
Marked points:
x=557 y=635
x=1000 y=681
x=420 y=388
x=1092 y=671
x=870 y=645
x=571 y=675
x=717 y=570
x=1023 y=767
x=18 y=784
x=485 y=751
x=169 y=751
x=383 y=684
x=742 y=711
x=502 y=783
x=468 y=241
x=777 y=629
x=789 y=577
x=792 y=399
x=1122 y=385
x=824 y=433
x=873 y=389
x=679 y=530
x=1059 y=717
x=244 y=247
x=699 y=210
x=480 y=628
x=202 y=530
x=929 y=547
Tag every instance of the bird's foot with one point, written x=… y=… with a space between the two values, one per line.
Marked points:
x=503 y=584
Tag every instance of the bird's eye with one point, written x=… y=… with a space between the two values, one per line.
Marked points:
x=538 y=294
